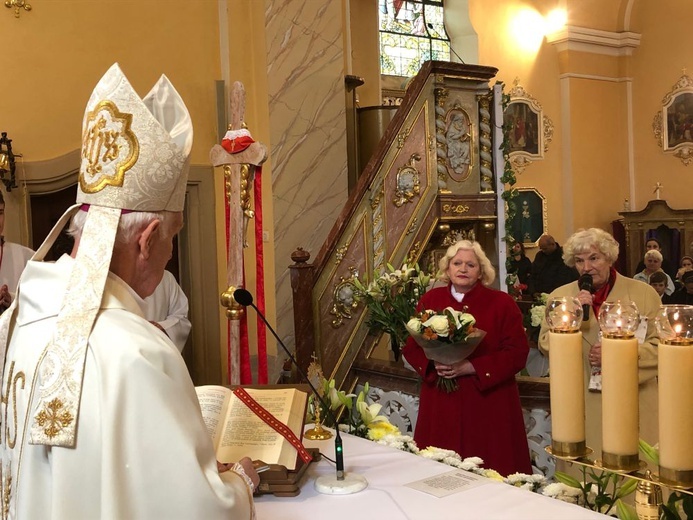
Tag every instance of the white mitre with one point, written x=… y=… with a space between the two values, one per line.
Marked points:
x=134 y=152
x=135 y=158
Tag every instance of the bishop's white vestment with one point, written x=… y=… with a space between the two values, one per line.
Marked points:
x=142 y=450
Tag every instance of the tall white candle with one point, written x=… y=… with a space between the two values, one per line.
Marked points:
x=620 y=396
x=567 y=387
x=676 y=405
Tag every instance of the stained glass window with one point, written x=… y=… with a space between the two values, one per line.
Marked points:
x=411 y=32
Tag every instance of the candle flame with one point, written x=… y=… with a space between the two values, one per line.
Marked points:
x=565 y=318
x=677 y=328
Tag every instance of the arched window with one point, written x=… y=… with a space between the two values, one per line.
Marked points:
x=411 y=32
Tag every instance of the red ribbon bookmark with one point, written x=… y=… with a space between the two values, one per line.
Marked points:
x=278 y=426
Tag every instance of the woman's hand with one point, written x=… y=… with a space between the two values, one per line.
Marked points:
x=584 y=297
x=595 y=355
x=461 y=368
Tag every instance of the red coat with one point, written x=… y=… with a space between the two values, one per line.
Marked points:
x=483 y=417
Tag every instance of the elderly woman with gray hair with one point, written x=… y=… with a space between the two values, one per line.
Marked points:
x=593 y=252
x=483 y=416
x=653 y=263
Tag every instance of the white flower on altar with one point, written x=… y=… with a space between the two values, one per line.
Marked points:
x=524 y=481
x=562 y=492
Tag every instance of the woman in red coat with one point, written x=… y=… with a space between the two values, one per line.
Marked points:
x=483 y=417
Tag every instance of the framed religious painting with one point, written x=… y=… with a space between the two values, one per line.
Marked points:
x=530 y=221
x=673 y=123
x=527 y=130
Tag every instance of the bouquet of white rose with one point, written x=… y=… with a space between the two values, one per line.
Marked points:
x=446 y=336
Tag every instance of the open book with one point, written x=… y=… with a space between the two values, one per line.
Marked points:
x=237 y=432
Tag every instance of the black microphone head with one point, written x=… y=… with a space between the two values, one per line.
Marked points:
x=243 y=297
x=585 y=282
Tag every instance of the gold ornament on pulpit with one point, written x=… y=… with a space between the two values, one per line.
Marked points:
x=316 y=377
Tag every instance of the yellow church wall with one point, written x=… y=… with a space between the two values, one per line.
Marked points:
x=663 y=54
x=62 y=48
x=598 y=152
x=536 y=67
x=604 y=15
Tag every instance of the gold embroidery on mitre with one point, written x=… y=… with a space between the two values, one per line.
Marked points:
x=109 y=148
x=53 y=418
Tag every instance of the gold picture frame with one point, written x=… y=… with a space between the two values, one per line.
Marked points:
x=530 y=130
x=673 y=123
x=530 y=221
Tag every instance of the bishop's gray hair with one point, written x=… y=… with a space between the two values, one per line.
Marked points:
x=128 y=226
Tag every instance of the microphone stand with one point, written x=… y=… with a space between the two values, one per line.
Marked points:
x=341 y=483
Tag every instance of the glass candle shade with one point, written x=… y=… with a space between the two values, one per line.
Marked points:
x=620 y=426
x=563 y=314
x=619 y=319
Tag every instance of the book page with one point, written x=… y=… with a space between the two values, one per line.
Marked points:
x=449 y=483
x=214 y=401
x=246 y=435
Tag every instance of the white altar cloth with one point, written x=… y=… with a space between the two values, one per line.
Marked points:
x=388 y=471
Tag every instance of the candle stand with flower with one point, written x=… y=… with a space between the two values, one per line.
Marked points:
x=620 y=431
x=567 y=380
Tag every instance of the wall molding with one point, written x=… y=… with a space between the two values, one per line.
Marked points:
x=594 y=41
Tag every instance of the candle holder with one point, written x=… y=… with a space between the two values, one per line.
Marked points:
x=674 y=325
x=567 y=380
x=620 y=414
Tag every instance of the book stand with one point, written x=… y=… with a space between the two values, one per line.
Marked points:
x=280 y=482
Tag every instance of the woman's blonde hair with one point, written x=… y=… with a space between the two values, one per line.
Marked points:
x=653 y=253
x=488 y=273
x=583 y=240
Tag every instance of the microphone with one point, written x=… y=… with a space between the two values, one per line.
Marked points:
x=244 y=298
x=584 y=284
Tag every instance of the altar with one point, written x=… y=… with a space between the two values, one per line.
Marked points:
x=388 y=472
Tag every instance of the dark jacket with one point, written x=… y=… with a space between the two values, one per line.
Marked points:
x=549 y=272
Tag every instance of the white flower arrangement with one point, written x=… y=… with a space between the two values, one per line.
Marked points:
x=538 y=310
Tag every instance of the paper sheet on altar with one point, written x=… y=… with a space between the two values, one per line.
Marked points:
x=448 y=483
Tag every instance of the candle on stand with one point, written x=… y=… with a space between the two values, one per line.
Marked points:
x=567 y=379
x=620 y=425
x=675 y=327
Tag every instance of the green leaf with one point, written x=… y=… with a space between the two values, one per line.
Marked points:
x=566 y=479
x=688 y=506
x=624 y=511
x=669 y=513
x=627 y=488
x=651 y=454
